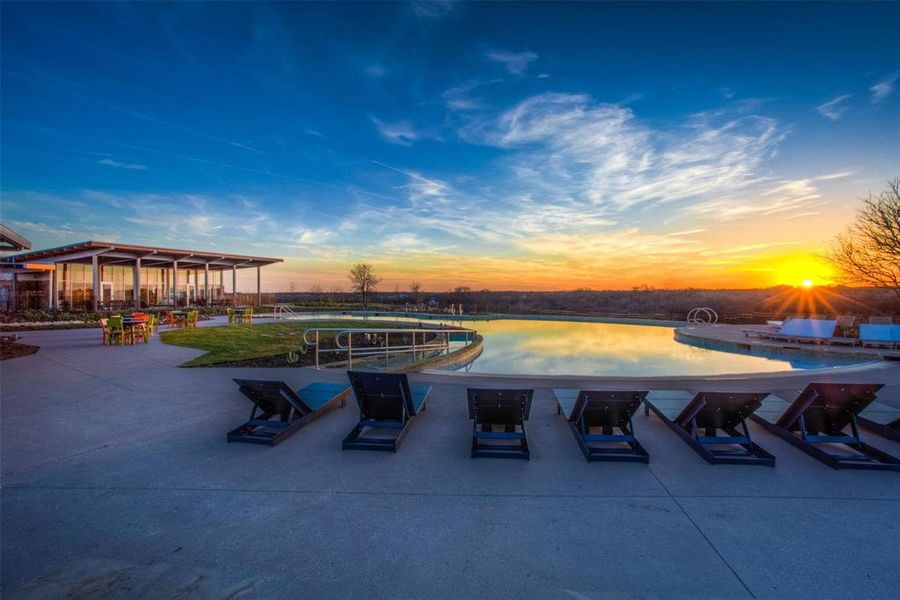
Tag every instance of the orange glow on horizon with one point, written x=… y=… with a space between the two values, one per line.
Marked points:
x=438 y=272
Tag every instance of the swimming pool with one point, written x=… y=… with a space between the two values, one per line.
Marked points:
x=540 y=347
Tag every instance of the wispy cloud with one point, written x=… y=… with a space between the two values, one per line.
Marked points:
x=433 y=9
x=376 y=70
x=514 y=62
x=567 y=145
x=834 y=108
x=883 y=88
x=121 y=165
x=401 y=133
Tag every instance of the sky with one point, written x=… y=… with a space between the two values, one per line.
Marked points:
x=495 y=145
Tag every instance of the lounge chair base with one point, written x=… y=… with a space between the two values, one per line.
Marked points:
x=866 y=457
x=356 y=441
x=269 y=431
x=879 y=429
x=512 y=450
x=633 y=453
x=749 y=453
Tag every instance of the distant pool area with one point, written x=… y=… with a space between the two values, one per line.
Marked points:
x=560 y=347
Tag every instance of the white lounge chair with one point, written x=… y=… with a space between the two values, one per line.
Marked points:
x=804 y=330
x=884 y=336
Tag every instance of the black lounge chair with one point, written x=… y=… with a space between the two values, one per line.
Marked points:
x=697 y=418
x=499 y=409
x=587 y=410
x=278 y=411
x=881 y=419
x=387 y=401
x=815 y=421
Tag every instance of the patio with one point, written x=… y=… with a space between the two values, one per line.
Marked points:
x=117 y=481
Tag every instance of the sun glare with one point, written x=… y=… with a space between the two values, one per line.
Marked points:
x=806 y=283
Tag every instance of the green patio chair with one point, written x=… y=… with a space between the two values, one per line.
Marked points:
x=115 y=330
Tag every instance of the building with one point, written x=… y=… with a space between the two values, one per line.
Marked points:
x=100 y=275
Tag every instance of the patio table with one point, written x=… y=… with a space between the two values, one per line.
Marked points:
x=133 y=323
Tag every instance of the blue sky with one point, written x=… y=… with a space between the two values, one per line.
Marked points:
x=517 y=146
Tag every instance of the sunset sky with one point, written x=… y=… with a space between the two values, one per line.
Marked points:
x=501 y=146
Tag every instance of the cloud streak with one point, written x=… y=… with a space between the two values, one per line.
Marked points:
x=834 y=109
x=109 y=162
x=515 y=63
x=883 y=89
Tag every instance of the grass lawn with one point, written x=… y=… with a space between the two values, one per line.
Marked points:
x=243 y=341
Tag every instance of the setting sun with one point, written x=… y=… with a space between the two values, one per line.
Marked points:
x=807 y=283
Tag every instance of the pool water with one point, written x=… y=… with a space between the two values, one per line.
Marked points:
x=578 y=348
x=518 y=346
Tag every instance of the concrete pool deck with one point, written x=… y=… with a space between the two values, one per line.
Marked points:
x=731 y=338
x=117 y=482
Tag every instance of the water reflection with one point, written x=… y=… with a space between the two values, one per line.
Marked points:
x=578 y=348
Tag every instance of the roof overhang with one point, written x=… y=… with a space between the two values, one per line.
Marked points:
x=110 y=253
x=10 y=240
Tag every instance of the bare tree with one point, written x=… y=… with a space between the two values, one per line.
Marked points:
x=315 y=289
x=415 y=288
x=868 y=252
x=363 y=280
x=292 y=287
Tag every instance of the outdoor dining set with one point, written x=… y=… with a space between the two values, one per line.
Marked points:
x=132 y=327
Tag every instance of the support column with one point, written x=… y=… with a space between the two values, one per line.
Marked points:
x=15 y=292
x=175 y=283
x=52 y=302
x=95 y=280
x=206 y=293
x=258 y=287
x=137 y=284
x=234 y=285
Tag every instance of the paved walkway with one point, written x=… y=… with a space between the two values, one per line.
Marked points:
x=117 y=482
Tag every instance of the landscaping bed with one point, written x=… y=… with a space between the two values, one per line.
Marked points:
x=267 y=344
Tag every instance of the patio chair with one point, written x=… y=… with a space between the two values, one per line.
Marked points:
x=279 y=411
x=881 y=336
x=104 y=330
x=498 y=417
x=588 y=410
x=881 y=419
x=115 y=330
x=815 y=421
x=846 y=323
x=247 y=316
x=698 y=418
x=170 y=319
x=191 y=319
x=388 y=403
x=230 y=312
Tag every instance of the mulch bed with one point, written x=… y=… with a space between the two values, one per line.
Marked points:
x=279 y=360
x=10 y=348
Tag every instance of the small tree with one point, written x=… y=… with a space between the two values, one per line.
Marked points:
x=868 y=253
x=363 y=280
x=292 y=287
x=415 y=289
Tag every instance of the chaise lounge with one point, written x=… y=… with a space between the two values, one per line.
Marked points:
x=279 y=411
x=882 y=420
x=387 y=403
x=607 y=411
x=504 y=410
x=804 y=330
x=881 y=336
x=697 y=419
x=815 y=421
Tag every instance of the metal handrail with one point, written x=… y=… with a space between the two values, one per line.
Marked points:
x=283 y=310
x=703 y=315
x=386 y=350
